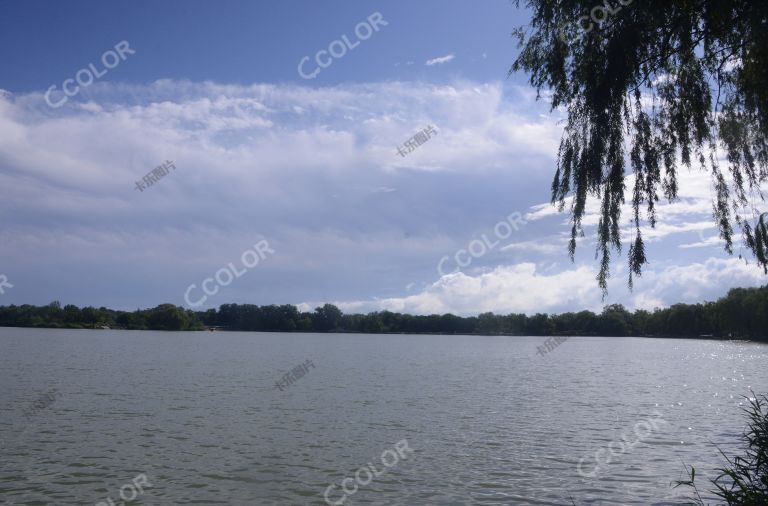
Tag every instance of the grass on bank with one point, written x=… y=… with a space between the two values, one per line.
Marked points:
x=744 y=481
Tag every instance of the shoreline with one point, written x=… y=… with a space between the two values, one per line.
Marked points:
x=569 y=335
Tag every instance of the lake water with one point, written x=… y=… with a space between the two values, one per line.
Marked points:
x=83 y=413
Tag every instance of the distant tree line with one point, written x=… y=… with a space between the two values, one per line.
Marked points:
x=163 y=317
x=743 y=313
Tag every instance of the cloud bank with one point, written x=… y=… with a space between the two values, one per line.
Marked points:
x=315 y=171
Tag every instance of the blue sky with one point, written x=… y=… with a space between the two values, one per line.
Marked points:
x=245 y=42
x=309 y=165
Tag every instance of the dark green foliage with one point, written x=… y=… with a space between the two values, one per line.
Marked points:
x=285 y=318
x=656 y=83
x=326 y=318
x=163 y=317
x=170 y=317
x=743 y=313
x=744 y=481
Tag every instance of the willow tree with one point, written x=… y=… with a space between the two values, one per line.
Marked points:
x=656 y=85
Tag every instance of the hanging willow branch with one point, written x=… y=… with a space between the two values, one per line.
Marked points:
x=655 y=84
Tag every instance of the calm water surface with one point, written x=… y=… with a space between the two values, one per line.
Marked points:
x=490 y=421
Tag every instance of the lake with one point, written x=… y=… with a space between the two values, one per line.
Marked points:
x=99 y=416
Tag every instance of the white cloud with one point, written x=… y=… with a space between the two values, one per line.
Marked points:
x=440 y=60
x=690 y=212
x=313 y=169
x=528 y=288
x=517 y=288
x=664 y=229
x=695 y=282
x=538 y=246
x=383 y=189
x=260 y=134
x=709 y=242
